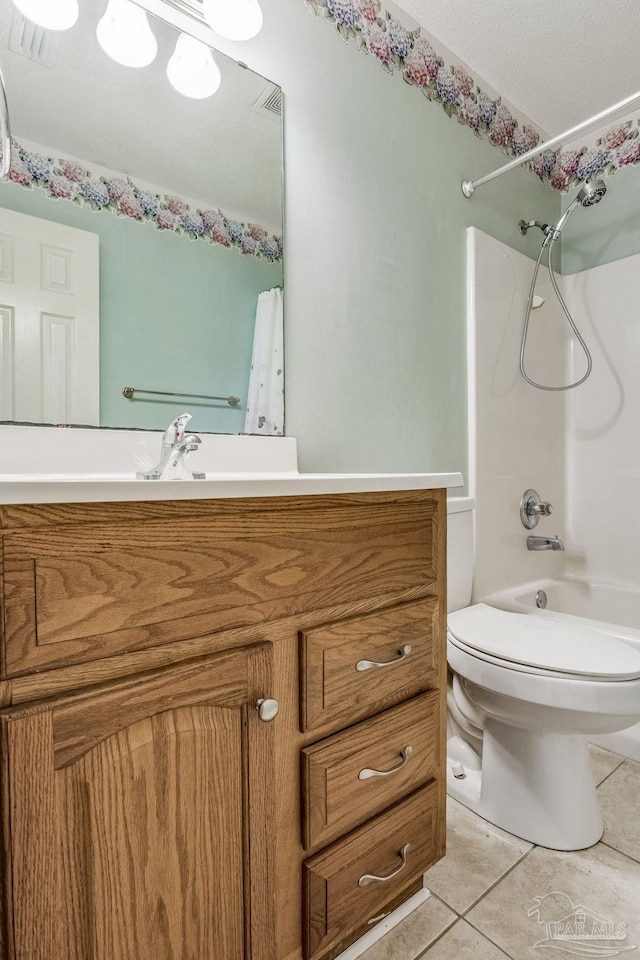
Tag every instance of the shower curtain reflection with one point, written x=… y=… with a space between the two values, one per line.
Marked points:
x=265 y=398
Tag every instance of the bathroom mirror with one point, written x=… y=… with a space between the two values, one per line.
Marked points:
x=137 y=232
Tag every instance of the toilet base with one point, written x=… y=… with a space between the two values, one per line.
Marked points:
x=537 y=786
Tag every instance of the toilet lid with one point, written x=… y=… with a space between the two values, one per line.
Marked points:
x=544 y=644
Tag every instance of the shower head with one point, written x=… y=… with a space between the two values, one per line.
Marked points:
x=591 y=193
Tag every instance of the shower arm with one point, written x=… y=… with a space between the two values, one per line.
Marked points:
x=469 y=186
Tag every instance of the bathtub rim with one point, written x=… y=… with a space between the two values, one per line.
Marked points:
x=508 y=600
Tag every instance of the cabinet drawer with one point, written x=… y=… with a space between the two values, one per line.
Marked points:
x=349 y=777
x=395 y=849
x=356 y=668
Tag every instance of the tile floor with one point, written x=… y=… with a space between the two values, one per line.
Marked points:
x=484 y=890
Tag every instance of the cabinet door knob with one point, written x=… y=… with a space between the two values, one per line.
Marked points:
x=403 y=653
x=267 y=709
x=405 y=753
x=368 y=878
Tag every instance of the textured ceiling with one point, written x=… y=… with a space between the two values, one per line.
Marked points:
x=221 y=152
x=557 y=61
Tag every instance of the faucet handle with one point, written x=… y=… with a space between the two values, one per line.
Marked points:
x=532 y=508
x=540 y=509
x=189 y=443
x=175 y=431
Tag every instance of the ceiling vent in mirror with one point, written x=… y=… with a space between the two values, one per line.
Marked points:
x=33 y=42
x=270 y=101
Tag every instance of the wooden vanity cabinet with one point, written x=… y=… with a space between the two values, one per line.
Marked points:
x=147 y=810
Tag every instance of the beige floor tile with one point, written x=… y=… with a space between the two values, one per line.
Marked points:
x=478 y=854
x=604 y=762
x=619 y=805
x=463 y=942
x=600 y=879
x=413 y=934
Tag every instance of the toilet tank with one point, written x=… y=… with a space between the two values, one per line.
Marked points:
x=460 y=512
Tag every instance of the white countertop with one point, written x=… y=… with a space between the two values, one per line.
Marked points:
x=80 y=465
x=34 y=488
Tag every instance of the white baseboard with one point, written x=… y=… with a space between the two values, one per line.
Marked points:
x=392 y=920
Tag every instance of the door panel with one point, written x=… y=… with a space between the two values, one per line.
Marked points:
x=134 y=844
x=49 y=290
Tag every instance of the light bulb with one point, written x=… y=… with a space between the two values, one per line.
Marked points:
x=234 y=19
x=192 y=70
x=125 y=35
x=50 y=14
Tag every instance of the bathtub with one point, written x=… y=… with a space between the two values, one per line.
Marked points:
x=610 y=609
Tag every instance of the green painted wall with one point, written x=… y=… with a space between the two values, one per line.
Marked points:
x=175 y=315
x=608 y=231
x=375 y=260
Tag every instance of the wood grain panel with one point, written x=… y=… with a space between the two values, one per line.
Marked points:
x=84 y=591
x=142 y=845
x=334 y=692
x=76 y=677
x=335 y=800
x=22 y=516
x=37 y=884
x=334 y=903
x=81 y=724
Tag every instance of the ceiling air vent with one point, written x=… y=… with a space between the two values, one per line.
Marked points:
x=270 y=101
x=35 y=43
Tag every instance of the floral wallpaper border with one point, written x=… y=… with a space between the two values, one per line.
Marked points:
x=379 y=33
x=71 y=180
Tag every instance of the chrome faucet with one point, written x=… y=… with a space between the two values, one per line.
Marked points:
x=174 y=445
x=544 y=543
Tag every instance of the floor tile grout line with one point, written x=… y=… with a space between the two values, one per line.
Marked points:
x=442 y=932
x=461 y=919
x=489 y=889
x=611 y=772
x=496 y=945
x=615 y=850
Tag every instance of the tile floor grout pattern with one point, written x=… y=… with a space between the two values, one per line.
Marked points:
x=493 y=894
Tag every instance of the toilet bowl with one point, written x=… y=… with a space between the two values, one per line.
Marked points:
x=525 y=694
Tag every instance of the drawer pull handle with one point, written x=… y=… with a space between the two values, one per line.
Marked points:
x=362 y=665
x=405 y=754
x=368 y=878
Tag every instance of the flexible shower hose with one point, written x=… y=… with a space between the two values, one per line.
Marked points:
x=547 y=244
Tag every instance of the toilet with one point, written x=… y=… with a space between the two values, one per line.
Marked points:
x=525 y=694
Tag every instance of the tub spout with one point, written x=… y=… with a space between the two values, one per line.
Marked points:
x=544 y=543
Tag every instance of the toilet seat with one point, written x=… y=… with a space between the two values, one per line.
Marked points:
x=542 y=645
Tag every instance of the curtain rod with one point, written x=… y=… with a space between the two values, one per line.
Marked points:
x=469 y=186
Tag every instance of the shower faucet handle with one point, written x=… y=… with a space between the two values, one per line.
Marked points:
x=540 y=509
x=532 y=508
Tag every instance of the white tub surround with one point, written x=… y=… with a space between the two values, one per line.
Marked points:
x=49 y=465
x=603 y=438
x=516 y=433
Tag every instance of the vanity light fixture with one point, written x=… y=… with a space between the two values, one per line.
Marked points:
x=192 y=70
x=234 y=19
x=125 y=35
x=50 y=14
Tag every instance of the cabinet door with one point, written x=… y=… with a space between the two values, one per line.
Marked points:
x=129 y=815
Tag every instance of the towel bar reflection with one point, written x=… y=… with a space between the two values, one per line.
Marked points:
x=128 y=392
